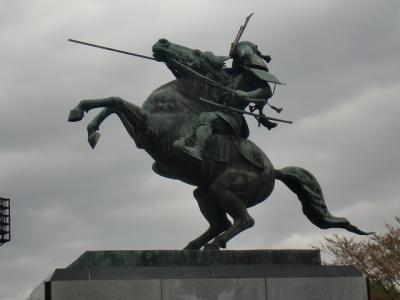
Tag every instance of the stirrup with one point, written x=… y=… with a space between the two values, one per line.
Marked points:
x=192 y=151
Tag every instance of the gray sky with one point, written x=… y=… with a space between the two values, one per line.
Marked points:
x=340 y=60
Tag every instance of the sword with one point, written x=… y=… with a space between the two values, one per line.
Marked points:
x=239 y=35
x=244 y=112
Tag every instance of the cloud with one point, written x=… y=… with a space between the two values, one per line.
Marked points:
x=340 y=63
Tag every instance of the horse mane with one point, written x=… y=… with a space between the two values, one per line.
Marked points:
x=214 y=60
x=214 y=66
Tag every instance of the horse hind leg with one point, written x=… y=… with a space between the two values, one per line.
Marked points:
x=215 y=216
x=224 y=190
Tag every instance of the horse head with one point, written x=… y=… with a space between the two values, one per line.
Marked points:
x=204 y=62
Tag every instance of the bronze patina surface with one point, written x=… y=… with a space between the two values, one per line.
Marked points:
x=205 y=143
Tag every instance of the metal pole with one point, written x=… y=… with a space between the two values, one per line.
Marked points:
x=111 y=49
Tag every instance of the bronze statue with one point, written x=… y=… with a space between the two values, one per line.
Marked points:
x=193 y=128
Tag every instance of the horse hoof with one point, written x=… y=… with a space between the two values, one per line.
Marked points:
x=93 y=139
x=192 y=246
x=211 y=247
x=75 y=115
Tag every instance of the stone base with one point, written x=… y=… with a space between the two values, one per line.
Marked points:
x=192 y=275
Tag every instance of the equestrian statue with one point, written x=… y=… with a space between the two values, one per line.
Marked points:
x=194 y=129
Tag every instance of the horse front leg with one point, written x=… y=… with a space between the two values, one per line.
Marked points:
x=78 y=112
x=131 y=115
x=131 y=111
x=94 y=125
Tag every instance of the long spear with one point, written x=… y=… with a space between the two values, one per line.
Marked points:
x=194 y=74
x=243 y=111
x=111 y=49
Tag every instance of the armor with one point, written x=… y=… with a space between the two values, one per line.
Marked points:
x=246 y=55
x=250 y=79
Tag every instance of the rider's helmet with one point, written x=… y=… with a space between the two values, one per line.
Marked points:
x=247 y=54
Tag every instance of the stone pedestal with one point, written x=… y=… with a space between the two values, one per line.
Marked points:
x=201 y=275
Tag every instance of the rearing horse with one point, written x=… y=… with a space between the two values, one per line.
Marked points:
x=240 y=176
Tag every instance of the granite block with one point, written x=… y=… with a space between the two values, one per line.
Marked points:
x=162 y=258
x=214 y=289
x=106 y=290
x=333 y=288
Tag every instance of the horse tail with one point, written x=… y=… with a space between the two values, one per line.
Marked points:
x=306 y=187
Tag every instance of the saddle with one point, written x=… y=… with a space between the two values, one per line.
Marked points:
x=220 y=148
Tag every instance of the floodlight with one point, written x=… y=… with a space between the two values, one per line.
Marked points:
x=5 y=233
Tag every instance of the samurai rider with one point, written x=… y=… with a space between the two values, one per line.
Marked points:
x=250 y=77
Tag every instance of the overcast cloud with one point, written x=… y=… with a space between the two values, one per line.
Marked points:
x=340 y=60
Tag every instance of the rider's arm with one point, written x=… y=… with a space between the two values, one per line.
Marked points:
x=262 y=94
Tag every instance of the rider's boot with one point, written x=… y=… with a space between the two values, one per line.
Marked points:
x=271 y=125
x=192 y=151
x=203 y=132
x=267 y=123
